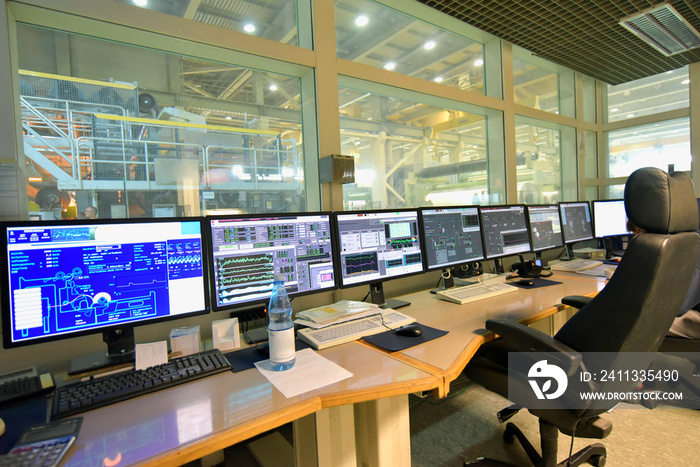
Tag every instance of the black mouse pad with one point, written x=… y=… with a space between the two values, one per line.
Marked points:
x=389 y=341
x=243 y=359
x=539 y=282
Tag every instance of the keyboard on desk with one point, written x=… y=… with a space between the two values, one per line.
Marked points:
x=349 y=331
x=472 y=293
x=576 y=264
x=101 y=391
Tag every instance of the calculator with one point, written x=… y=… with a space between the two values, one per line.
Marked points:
x=43 y=445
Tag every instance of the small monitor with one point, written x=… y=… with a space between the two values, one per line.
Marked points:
x=377 y=246
x=545 y=227
x=248 y=250
x=505 y=231
x=64 y=279
x=451 y=236
x=576 y=222
x=610 y=218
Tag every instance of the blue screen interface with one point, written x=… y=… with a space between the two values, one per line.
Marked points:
x=65 y=279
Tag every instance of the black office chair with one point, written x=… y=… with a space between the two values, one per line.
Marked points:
x=631 y=314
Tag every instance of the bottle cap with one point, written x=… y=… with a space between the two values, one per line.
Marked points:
x=278 y=277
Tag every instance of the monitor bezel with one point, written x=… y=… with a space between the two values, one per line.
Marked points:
x=247 y=306
x=529 y=227
x=6 y=297
x=593 y=222
x=424 y=243
x=561 y=219
x=483 y=230
x=340 y=281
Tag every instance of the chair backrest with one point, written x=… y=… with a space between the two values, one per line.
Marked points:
x=637 y=306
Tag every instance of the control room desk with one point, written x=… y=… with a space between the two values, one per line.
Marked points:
x=447 y=356
x=190 y=421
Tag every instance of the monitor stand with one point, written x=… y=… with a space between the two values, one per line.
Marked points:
x=569 y=253
x=377 y=294
x=121 y=348
x=610 y=247
x=448 y=281
x=498 y=266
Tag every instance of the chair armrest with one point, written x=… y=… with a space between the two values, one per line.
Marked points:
x=576 y=301
x=534 y=339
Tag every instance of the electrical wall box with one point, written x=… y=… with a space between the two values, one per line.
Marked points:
x=337 y=168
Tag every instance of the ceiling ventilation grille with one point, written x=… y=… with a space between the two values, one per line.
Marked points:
x=664 y=28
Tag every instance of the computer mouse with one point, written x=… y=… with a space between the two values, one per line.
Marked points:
x=527 y=282
x=410 y=330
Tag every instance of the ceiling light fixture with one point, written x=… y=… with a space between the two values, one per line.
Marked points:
x=140 y=2
x=429 y=45
x=390 y=66
x=438 y=79
x=249 y=27
x=273 y=87
x=630 y=115
x=685 y=81
x=478 y=62
x=361 y=20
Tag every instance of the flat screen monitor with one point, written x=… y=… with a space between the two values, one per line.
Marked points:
x=576 y=222
x=248 y=250
x=545 y=227
x=451 y=236
x=69 y=278
x=610 y=218
x=377 y=246
x=505 y=231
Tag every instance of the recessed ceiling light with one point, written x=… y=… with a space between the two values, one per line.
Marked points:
x=390 y=66
x=140 y=2
x=630 y=115
x=273 y=87
x=429 y=45
x=228 y=117
x=249 y=27
x=361 y=20
x=685 y=81
x=438 y=79
x=614 y=109
x=478 y=62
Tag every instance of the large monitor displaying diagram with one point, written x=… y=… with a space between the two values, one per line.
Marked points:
x=451 y=236
x=505 y=231
x=247 y=251
x=377 y=246
x=545 y=227
x=67 y=278
x=576 y=223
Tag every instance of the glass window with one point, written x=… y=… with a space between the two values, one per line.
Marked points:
x=589 y=99
x=646 y=96
x=272 y=19
x=538 y=163
x=408 y=153
x=588 y=146
x=654 y=145
x=139 y=133
x=376 y=35
x=536 y=86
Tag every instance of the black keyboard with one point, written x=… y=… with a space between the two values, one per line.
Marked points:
x=98 y=392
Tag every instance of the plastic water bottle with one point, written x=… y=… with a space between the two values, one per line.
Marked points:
x=280 y=329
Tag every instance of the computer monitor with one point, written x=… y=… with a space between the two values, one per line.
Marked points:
x=377 y=246
x=64 y=279
x=545 y=227
x=505 y=231
x=576 y=223
x=610 y=218
x=248 y=250
x=451 y=237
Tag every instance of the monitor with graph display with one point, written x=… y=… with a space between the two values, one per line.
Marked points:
x=609 y=218
x=505 y=231
x=377 y=246
x=247 y=251
x=576 y=223
x=545 y=227
x=451 y=236
x=63 y=279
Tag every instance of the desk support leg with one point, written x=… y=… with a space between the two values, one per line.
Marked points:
x=383 y=432
x=326 y=438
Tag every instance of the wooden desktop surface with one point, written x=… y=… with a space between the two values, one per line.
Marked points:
x=184 y=423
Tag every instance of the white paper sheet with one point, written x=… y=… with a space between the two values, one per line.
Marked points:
x=151 y=354
x=311 y=371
